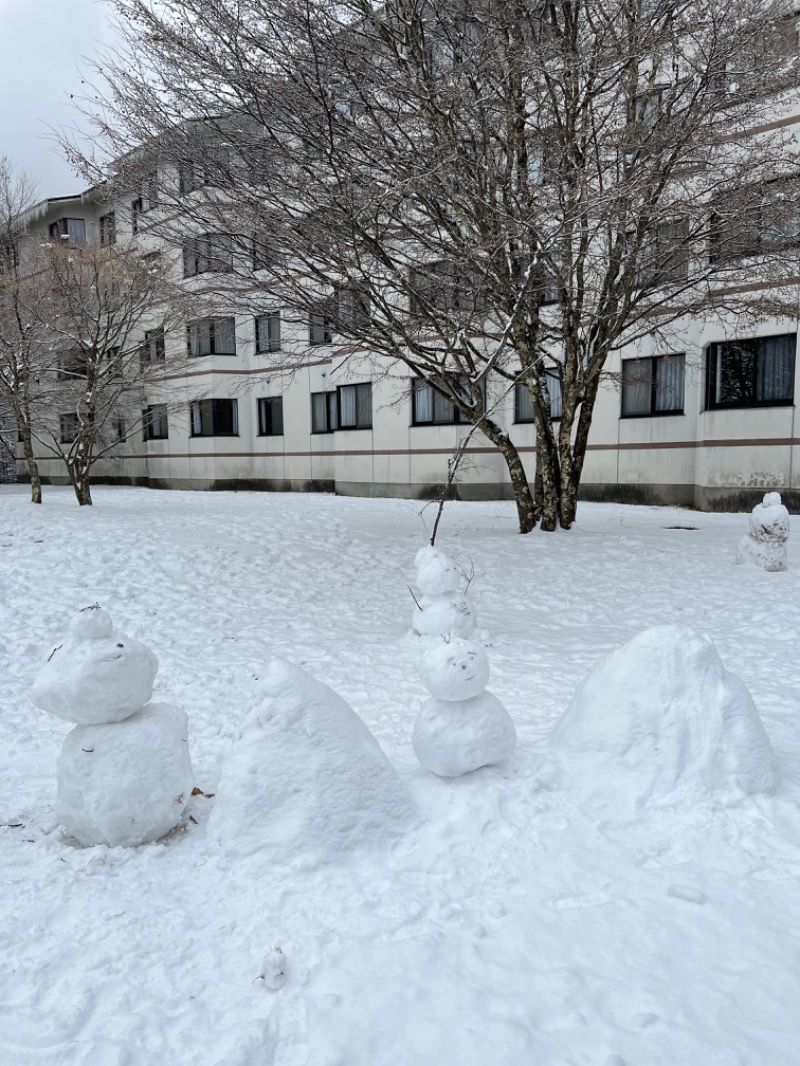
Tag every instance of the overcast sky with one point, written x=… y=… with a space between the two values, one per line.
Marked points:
x=45 y=45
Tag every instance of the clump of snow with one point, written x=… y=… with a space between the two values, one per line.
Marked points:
x=451 y=738
x=305 y=777
x=437 y=572
x=663 y=714
x=766 y=542
x=454 y=669
x=126 y=783
x=443 y=609
x=273 y=970
x=94 y=677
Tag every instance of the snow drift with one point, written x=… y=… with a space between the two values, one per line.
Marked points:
x=661 y=715
x=305 y=775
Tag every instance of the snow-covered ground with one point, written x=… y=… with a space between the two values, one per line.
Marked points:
x=516 y=923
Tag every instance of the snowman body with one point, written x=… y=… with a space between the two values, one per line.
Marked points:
x=462 y=727
x=124 y=773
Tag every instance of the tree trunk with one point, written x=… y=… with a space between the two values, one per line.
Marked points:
x=526 y=509
x=31 y=463
x=79 y=478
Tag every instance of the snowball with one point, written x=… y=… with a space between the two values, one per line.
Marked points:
x=437 y=572
x=91 y=623
x=454 y=669
x=448 y=615
x=273 y=970
x=92 y=678
x=304 y=775
x=769 y=555
x=662 y=713
x=453 y=738
x=125 y=783
x=770 y=520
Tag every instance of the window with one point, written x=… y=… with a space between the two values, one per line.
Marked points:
x=211 y=336
x=428 y=408
x=352 y=307
x=214 y=418
x=212 y=170
x=355 y=406
x=114 y=363
x=153 y=349
x=320 y=326
x=324 y=414
x=268 y=332
x=749 y=373
x=665 y=256
x=71 y=230
x=270 y=417
x=108 y=228
x=73 y=365
x=653 y=386
x=445 y=286
x=154 y=422
x=212 y=253
x=756 y=221
x=146 y=200
x=118 y=429
x=70 y=426
x=523 y=408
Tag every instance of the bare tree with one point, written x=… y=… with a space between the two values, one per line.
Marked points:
x=107 y=310
x=20 y=329
x=490 y=193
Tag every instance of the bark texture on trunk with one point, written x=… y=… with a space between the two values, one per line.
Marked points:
x=31 y=463
x=527 y=513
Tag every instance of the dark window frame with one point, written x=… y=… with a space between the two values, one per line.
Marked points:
x=153 y=348
x=209 y=253
x=362 y=389
x=107 y=226
x=213 y=408
x=320 y=325
x=271 y=318
x=756 y=352
x=160 y=422
x=211 y=331
x=64 y=434
x=521 y=389
x=75 y=234
x=654 y=362
x=267 y=408
x=331 y=410
x=453 y=417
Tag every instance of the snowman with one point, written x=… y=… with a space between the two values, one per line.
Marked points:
x=766 y=542
x=462 y=727
x=124 y=773
x=443 y=609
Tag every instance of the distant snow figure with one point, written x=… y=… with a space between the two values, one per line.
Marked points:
x=444 y=608
x=305 y=778
x=273 y=970
x=766 y=543
x=124 y=773
x=463 y=727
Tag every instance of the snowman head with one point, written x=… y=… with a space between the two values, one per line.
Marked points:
x=455 y=669
x=91 y=623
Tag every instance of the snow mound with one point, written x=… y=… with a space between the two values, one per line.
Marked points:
x=663 y=714
x=94 y=677
x=305 y=775
x=454 y=669
x=451 y=738
x=125 y=783
x=437 y=572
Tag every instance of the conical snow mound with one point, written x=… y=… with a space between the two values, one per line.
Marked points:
x=305 y=776
x=662 y=714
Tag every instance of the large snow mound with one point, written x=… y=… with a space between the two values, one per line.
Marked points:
x=305 y=777
x=665 y=709
x=126 y=783
x=94 y=677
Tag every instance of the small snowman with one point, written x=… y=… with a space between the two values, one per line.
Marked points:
x=444 y=610
x=124 y=772
x=766 y=543
x=462 y=727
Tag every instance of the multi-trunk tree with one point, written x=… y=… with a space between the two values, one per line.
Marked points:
x=492 y=194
